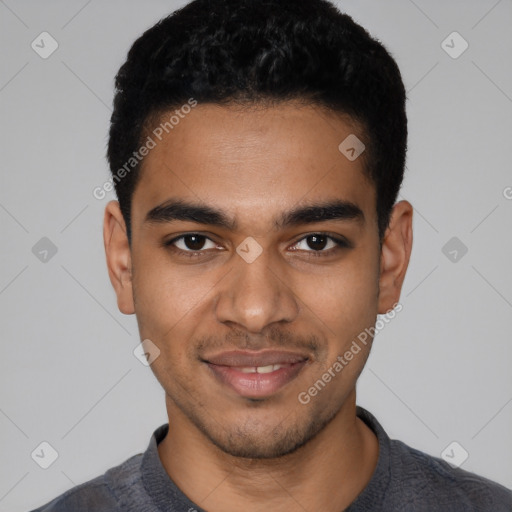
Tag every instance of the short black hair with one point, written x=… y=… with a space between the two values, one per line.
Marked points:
x=262 y=52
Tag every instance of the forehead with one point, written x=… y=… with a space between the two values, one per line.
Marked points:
x=252 y=161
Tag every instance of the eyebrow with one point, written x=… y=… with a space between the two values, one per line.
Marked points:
x=180 y=210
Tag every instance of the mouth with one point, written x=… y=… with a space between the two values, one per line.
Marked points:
x=256 y=374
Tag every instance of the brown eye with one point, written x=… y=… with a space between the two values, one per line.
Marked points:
x=190 y=243
x=317 y=242
x=320 y=243
x=194 y=242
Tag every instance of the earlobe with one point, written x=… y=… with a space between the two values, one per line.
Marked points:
x=395 y=255
x=118 y=255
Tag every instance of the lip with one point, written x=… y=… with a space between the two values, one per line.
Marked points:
x=226 y=368
x=259 y=358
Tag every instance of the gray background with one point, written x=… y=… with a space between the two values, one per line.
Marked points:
x=439 y=372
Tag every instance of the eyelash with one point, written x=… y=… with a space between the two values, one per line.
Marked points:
x=340 y=244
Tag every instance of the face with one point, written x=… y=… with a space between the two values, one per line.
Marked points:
x=254 y=265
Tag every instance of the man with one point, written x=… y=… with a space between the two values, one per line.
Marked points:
x=257 y=149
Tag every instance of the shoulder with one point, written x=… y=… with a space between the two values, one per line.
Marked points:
x=422 y=478
x=92 y=495
x=101 y=494
x=407 y=479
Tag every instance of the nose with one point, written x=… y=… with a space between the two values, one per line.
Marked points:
x=256 y=294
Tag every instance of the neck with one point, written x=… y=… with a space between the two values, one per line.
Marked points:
x=327 y=473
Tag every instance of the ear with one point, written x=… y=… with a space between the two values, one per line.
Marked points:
x=118 y=253
x=395 y=254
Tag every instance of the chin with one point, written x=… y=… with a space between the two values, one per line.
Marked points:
x=254 y=441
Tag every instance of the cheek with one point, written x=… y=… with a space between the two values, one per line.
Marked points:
x=165 y=293
x=345 y=307
x=345 y=298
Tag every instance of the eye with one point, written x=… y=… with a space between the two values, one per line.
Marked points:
x=190 y=244
x=321 y=243
x=195 y=245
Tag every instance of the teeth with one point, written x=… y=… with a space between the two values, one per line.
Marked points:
x=260 y=369
x=247 y=370
x=268 y=369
